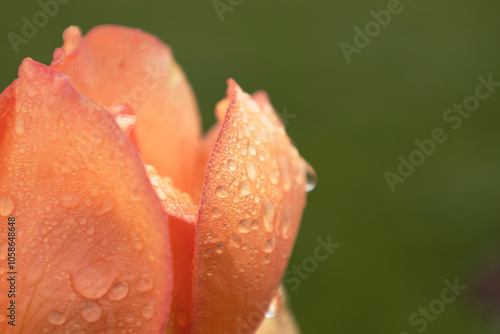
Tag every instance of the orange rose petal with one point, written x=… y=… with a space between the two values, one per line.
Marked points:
x=92 y=250
x=114 y=65
x=181 y=212
x=250 y=211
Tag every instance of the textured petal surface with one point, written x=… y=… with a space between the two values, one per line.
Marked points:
x=118 y=65
x=91 y=240
x=250 y=211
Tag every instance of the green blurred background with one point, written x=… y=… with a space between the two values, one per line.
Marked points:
x=351 y=122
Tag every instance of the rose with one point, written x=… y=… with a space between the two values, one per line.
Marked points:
x=106 y=241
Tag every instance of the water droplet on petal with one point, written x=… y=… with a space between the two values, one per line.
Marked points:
x=222 y=192
x=145 y=283
x=245 y=188
x=220 y=247
x=312 y=178
x=69 y=200
x=250 y=168
x=119 y=291
x=235 y=240
x=148 y=311
x=91 y=311
x=286 y=223
x=57 y=318
x=274 y=307
x=255 y=224
x=95 y=280
x=268 y=214
x=286 y=178
x=232 y=165
x=6 y=205
x=269 y=245
x=244 y=226
x=105 y=207
x=216 y=213
x=19 y=124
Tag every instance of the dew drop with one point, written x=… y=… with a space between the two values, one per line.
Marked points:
x=269 y=245
x=220 y=247
x=286 y=178
x=69 y=200
x=144 y=283
x=148 y=311
x=251 y=149
x=232 y=165
x=235 y=240
x=274 y=307
x=268 y=214
x=104 y=208
x=6 y=205
x=245 y=188
x=244 y=226
x=250 y=168
x=255 y=224
x=312 y=178
x=91 y=312
x=286 y=224
x=57 y=318
x=216 y=213
x=210 y=272
x=95 y=280
x=137 y=242
x=119 y=291
x=256 y=198
x=211 y=236
x=19 y=124
x=222 y=192
x=90 y=230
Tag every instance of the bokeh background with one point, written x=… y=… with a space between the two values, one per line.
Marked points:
x=352 y=121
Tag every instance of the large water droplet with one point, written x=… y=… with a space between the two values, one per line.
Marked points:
x=6 y=204
x=269 y=245
x=312 y=178
x=268 y=214
x=250 y=168
x=57 y=318
x=69 y=200
x=286 y=223
x=220 y=247
x=105 y=207
x=95 y=280
x=245 y=188
x=284 y=166
x=274 y=307
x=119 y=291
x=19 y=124
x=145 y=283
x=136 y=241
x=91 y=311
x=235 y=240
x=232 y=165
x=222 y=192
x=244 y=226
x=216 y=213
x=148 y=311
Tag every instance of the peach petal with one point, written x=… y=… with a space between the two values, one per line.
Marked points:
x=92 y=249
x=116 y=65
x=250 y=211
